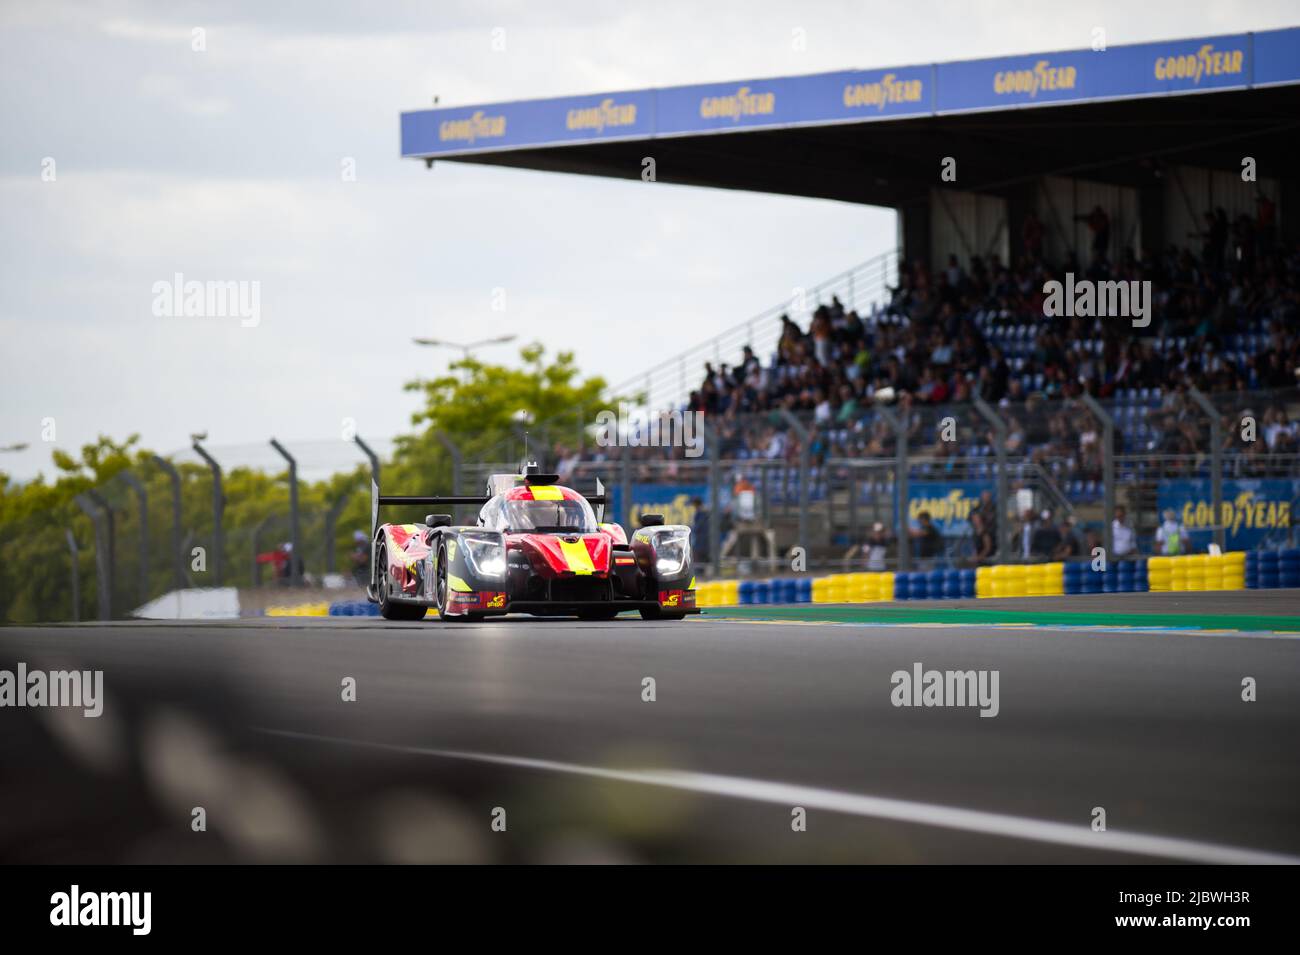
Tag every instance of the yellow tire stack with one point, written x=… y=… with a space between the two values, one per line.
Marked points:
x=1160 y=574
x=1234 y=570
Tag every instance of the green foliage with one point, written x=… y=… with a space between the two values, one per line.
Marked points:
x=476 y=405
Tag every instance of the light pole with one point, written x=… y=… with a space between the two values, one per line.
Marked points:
x=464 y=348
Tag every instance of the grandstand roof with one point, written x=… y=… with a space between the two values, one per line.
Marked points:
x=877 y=136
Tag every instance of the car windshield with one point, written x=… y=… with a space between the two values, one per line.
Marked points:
x=550 y=516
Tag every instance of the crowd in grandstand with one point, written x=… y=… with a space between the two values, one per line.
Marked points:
x=1225 y=321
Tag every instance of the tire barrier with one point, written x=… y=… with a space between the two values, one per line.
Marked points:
x=354 y=608
x=1237 y=570
x=1269 y=569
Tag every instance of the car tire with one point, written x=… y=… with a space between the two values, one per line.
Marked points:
x=440 y=591
x=387 y=608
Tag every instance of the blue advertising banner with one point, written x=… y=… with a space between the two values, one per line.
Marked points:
x=1148 y=69
x=673 y=501
x=569 y=119
x=949 y=503
x=1178 y=66
x=1255 y=511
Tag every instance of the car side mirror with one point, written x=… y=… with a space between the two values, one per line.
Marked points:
x=652 y=520
x=437 y=520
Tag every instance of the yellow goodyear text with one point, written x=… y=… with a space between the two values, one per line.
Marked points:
x=954 y=506
x=744 y=102
x=608 y=114
x=1244 y=511
x=679 y=510
x=1042 y=78
x=1207 y=61
x=885 y=91
x=472 y=128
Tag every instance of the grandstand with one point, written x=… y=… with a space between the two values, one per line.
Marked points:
x=929 y=378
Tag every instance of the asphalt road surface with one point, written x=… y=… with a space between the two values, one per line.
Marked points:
x=542 y=727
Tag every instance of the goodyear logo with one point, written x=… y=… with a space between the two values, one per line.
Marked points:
x=473 y=128
x=954 y=506
x=599 y=118
x=677 y=511
x=1207 y=61
x=888 y=89
x=743 y=102
x=1042 y=78
x=1244 y=511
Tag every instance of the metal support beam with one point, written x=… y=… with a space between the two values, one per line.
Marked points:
x=805 y=473
x=178 y=560
x=218 y=510
x=142 y=499
x=92 y=509
x=625 y=485
x=902 y=528
x=714 y=449
x=1107 y=469
x=373 y=458
x=295 y=545
x=1216 y=463
x=76 y=574
x=1002 y=532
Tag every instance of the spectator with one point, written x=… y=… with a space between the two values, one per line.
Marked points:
x=929 y=542
x=1046 y=537
x=700 y=542
x=984 y=543
x=1171 y=536
x=1123 y=539
x=1071 y=544
x=875 y=549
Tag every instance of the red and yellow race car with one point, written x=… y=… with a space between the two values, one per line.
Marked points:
x=536 y=548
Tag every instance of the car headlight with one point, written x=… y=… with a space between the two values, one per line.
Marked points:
x=486 y=555
x=672 y=550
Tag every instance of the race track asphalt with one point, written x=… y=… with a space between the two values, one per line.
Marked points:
x=542 y=724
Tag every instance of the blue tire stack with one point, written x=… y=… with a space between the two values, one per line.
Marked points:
x=1270 y=572
x=1073 y=577
x=1252 y=570
x=1289 y=568
x=803 y=590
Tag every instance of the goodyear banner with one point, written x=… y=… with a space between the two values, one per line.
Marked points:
x=1255 y=512
x=855 y=96
x=949 y=503
x=673 y=501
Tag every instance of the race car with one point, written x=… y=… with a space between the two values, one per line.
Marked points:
x=536 y=548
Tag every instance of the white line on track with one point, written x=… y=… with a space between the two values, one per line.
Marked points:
x=1078 y=836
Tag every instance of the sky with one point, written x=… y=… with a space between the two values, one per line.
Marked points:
x=128 y=156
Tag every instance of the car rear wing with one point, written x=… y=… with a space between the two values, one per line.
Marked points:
x=378 y=500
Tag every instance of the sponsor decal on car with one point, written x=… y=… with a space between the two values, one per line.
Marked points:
x=479 y=600
x=677 y=598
